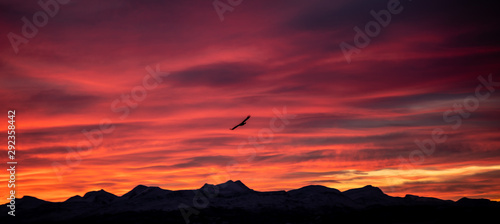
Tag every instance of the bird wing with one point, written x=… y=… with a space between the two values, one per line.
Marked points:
x=235 y=127
x=246 y=119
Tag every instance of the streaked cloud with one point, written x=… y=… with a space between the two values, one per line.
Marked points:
x=353 y=121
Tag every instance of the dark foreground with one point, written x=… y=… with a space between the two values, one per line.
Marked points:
x=233 y=202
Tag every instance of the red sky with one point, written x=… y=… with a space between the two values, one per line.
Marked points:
x=348 y=124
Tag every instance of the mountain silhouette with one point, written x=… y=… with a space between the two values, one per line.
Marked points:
x=234 y=202
x=98 y=197
x=369 y=195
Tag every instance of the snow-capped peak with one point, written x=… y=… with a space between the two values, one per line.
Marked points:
x=100 y=196
x=228 y=188
x=134 y=192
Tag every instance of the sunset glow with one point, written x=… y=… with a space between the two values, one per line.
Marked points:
x=113 y=94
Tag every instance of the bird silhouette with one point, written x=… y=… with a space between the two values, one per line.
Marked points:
x=241 y=124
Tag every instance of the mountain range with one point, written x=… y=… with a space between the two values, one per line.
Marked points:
x=234 y=202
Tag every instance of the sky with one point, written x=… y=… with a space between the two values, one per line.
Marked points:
x=402 y=95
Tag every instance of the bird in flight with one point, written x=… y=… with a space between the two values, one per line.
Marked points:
x=241 y=124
